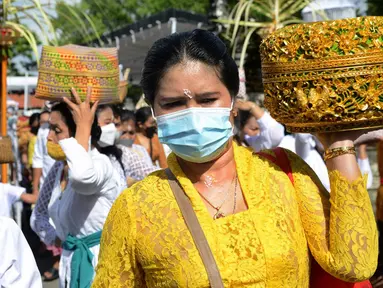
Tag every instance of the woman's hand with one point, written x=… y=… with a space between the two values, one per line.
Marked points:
x=370 y=138
x=339 y=139
x=244 y=105
x=253 y=108
x=346 y=164
x=83 y=115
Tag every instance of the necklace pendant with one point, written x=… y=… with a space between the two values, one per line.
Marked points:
x=218 y=215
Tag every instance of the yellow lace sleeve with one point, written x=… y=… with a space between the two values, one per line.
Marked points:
x=117 y=266
x=340 y=227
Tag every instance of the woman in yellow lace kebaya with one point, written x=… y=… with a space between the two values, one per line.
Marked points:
x=260 y=228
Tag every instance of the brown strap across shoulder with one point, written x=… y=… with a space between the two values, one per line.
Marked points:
x=196 y=231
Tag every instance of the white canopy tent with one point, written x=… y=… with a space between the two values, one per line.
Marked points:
x=27 y=83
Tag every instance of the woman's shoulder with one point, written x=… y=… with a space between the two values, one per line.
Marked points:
x=152 y=186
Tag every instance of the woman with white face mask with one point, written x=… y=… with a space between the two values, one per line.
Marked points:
x=260 y=229
x=127 y=163
x=78 y=193
x=258 y=129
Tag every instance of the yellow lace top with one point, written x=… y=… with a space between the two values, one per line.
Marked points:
x=146 y=243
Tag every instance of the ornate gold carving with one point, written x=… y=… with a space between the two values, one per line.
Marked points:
x=325 y=76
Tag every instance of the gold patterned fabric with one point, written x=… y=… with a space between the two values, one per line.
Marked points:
x=62 y=68
x=145 y=241
x=325 y=76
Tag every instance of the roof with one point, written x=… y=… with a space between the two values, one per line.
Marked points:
x=33 y=102
x=135 y=40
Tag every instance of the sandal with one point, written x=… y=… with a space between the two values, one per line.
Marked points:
x=55 y=275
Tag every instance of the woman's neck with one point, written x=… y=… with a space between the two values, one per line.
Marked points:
x=221 y=168
x=141 y=134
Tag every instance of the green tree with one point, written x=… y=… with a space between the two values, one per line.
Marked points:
x=375 y=7
x=107 y=16
x=18 y=16
x=21 y=58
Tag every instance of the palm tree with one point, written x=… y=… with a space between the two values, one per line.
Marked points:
x=261 y=16
x=14 y=16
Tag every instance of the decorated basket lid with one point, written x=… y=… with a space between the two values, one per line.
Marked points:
x=325 y=76
x=62 y=68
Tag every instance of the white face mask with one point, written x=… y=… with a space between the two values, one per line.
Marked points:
x=109 y=134
x=251 y=140
x=44 y=126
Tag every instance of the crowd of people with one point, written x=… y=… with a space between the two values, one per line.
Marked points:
x=262 y=218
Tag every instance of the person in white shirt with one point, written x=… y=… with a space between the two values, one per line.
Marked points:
x=257 y=128
x=125 y=160
x=80 y=204
x=305 y=145
x=127 y=129
x=9 y=194
x=41 y=162
x=364 y=164
x=18 y=267
x=288 y=142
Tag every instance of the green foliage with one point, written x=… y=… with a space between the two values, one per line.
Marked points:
x=112 y=14
x=375 y=7
x=261 y=17
x=21 y=58
x=18 y=15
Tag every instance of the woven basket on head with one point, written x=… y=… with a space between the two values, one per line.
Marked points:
x=62 y=68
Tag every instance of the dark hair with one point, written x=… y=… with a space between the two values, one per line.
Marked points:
x=198 y=45
x=110 y=150
x=143 y=114
x=243 y=117
x=127 y=115
x=34 y=129
x=34 y=117
x=102 y=108
x=67 y=117
x=116 y=110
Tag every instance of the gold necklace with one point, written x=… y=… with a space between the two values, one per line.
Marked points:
x=220 y=214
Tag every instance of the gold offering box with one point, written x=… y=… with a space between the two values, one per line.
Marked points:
x=325 y=76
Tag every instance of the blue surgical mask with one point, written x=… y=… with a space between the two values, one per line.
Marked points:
x=197 y=135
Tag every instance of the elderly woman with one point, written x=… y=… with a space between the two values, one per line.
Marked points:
x=261 y=229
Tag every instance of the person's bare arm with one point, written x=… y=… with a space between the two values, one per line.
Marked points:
x=32 y=198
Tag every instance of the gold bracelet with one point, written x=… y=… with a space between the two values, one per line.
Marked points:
x=335 y=152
